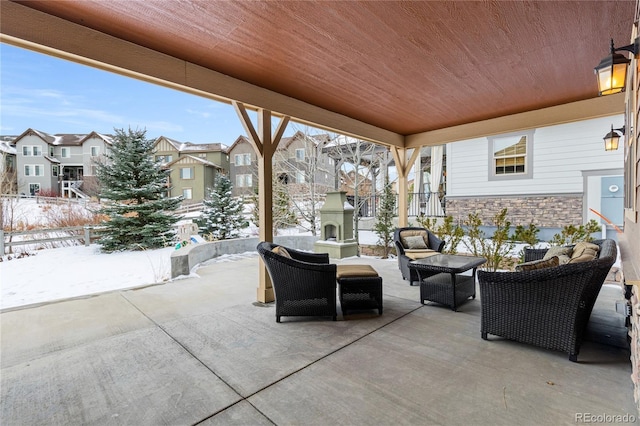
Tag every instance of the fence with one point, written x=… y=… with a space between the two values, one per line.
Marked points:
x=72 y=233
x=50 y=200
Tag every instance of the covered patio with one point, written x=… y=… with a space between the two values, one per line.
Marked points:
x=198 y=351
x=400 y=74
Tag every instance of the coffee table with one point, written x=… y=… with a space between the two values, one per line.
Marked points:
x=448 y=287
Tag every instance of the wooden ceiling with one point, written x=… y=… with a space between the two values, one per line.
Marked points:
x=405 y=67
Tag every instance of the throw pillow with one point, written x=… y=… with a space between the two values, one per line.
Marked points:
x=584 y=252
x=558 y=251
x=538 y=264
x=281 y=251
x=415 y=242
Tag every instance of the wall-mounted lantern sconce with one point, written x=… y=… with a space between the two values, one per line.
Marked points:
x=612 y=139
x=612 y=70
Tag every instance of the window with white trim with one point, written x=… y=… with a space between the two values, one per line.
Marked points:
x=33 y=170
x=26 y=151
x=244 y=181
x=243 y=159
x=65 y=152
x=511 y=156
x=34 y=188
x=186 y=173
x=95 y=151
x=300 y=154
x=187 y=193
x=300 y=177
x=54 y=171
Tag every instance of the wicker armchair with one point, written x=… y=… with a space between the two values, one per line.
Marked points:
x=404 y=256
x=304 y=284
x=547 y=307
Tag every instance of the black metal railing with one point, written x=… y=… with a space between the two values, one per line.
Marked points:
x=419 y=203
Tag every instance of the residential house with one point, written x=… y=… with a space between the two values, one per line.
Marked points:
x=298 y=162
x=243 y=166
x=193 y=166
x=62 y=164
x=551 y=176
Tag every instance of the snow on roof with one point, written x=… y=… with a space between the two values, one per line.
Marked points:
x=200 y=160
x=7 y=148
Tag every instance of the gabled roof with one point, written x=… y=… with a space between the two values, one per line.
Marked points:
x=63 y=139
x=203 y=161
x=108 y=139
x=193 y=147
x=7 y=148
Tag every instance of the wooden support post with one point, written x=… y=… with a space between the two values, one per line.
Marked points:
x=403 y=165
x=265 y=145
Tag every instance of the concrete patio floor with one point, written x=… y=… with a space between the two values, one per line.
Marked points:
x=200 y=351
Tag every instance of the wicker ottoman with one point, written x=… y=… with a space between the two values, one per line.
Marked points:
x=360 y=288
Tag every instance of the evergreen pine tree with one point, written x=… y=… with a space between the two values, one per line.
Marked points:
x=140 y=217
x=221 y=216
x=384 y=226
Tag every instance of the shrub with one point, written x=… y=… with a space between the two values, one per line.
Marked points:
x=495 y=249
x=572 y=234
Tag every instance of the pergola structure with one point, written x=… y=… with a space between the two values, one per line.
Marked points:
x=400 y=74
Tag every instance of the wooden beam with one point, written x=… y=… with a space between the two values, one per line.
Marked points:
x=576 y=111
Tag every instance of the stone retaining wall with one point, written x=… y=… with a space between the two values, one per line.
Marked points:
x=544 y=211
x=186 y=258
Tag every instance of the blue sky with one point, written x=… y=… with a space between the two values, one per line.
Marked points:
x=58 y=96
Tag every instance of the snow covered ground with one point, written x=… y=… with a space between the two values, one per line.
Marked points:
x=61 y=273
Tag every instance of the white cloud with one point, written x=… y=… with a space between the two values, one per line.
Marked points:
x=201 y=114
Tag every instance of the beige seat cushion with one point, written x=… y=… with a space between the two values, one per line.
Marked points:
x=355 y=271
x=281 y=251
x=414 y=233
x=419 y=254
x=584 y=252
x=538 y=264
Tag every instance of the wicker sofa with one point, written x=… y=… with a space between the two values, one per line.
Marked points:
x=547 y=307
x=406 y=254
x=304 y=283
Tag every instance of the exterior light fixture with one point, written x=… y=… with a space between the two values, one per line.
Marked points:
x=612 y=70
x=612 y=139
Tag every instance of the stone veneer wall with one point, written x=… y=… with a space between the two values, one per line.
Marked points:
x=544 y=211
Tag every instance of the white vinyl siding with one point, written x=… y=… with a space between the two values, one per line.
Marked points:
x=561 y=154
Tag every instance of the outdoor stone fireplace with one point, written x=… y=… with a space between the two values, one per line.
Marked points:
x=336 y=224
